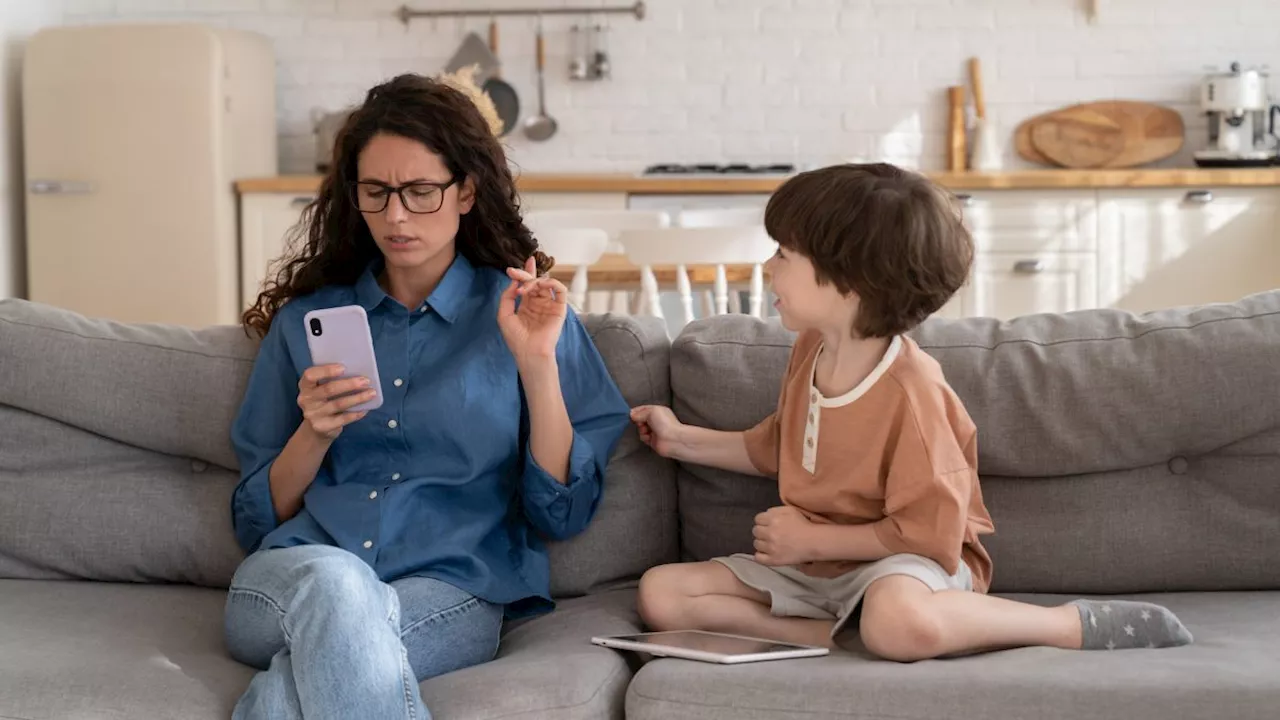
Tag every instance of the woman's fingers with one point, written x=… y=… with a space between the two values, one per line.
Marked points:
x=544 y=287
x=313 y=375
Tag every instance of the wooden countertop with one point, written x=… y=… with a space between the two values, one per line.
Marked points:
x=1015 y=179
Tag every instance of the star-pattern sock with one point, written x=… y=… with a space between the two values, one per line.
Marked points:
x=1124 y=624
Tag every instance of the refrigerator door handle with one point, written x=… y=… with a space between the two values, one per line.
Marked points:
x=59 y=187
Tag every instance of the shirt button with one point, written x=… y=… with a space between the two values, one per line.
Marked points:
x=809 y=442
x=373 y=495
x=392 y=424
x=810 y=418
x=814 y=397
x=398 y=382
x=368 y=544
x=395 y=476
x=422 y=309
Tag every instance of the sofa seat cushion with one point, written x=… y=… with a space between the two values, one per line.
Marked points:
x=1231 y=670
x=546 y=667
x=118 y=650
x=108 y=650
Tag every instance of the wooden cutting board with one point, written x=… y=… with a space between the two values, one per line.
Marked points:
x=1111 y=134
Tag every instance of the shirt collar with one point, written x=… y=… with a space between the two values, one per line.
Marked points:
x=446 y=299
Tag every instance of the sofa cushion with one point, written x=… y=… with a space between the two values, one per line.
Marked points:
x=101 y=650
x=725 y=375
x=159 y=387
x=79 y=505
x=546 y=668
x=1118 y=452
x=79 y=649
x=1230 y=670
x=636 y=525
x=115 y=449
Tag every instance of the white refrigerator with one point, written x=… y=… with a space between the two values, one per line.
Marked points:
x=133 y=138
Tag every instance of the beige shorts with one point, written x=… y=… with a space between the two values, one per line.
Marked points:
x=794 y=594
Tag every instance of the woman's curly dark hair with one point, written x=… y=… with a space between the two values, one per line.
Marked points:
x=331 y=245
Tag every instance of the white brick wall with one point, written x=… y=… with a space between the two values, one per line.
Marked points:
x=808 y=81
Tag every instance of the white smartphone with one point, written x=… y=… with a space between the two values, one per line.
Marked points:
x=341 y=336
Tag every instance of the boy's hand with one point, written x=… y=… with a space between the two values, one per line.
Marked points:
x=783 y=537
x=659 y=428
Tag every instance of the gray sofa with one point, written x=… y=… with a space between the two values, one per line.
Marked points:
x=1136 y=456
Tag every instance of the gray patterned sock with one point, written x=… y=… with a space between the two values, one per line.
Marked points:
x=1124 y=624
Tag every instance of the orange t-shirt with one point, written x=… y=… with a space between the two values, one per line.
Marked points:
x=897 y=452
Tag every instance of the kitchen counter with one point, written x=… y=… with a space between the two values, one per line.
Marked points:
x=675 y=184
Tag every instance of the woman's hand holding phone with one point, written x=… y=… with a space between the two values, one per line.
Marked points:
x=325 y=405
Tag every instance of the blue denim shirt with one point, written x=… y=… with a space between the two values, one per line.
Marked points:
x=439 y=481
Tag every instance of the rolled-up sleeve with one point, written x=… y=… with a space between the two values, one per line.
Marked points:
x=599 y=415
x=268 y=416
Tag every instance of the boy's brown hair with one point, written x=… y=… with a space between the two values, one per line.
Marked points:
x=891 y=236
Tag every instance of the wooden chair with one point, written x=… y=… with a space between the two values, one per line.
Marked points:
x=682 y=247
x=612 y=222
x=579 y=247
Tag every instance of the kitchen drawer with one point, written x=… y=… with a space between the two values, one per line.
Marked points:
x=266 y=220
x=1169 y=247
x=1007 y=285
x=1034 y=221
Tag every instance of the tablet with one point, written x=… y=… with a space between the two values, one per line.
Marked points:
x=708 y=646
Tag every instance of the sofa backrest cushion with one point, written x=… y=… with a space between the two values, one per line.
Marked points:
x=116 y=460
x=1118 y=452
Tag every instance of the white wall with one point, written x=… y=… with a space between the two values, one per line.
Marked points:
x=18 y=19
x=759 y=80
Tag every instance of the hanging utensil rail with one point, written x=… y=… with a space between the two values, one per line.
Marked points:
x=405 y=13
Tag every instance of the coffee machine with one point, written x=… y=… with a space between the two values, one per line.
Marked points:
x=1242 y=120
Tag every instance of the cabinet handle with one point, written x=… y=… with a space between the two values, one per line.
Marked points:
x=1028 y=267
x=965 y=199
x=300 y=201
x=1199 y=197
x=59 y=187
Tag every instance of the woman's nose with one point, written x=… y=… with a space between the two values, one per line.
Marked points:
x=395 y=210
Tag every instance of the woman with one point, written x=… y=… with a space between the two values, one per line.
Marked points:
x=388 y=546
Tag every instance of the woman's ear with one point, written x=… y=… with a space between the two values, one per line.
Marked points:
x=466 y=196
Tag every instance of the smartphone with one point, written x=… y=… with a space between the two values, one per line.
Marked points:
x=341 y=336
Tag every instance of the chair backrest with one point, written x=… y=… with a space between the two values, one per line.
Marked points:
x=612 y=222
x=573 y=246
x=742 y=245
x=720 y=217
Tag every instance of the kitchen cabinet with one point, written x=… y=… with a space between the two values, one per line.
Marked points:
x=266 y=220
x=1176 y=246
x=1036 y=251
x=1006 y=285
x=535 y=201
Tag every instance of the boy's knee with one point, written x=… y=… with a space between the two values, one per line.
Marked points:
x=660 y=596
x=905 y=633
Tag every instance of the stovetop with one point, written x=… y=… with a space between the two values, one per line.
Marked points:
x=720 y=169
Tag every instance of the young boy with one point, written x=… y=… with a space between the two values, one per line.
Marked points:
x=876 y=458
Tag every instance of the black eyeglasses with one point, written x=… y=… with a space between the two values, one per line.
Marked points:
x=421 y=198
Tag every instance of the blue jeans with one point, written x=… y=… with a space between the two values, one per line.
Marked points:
x=333 y=641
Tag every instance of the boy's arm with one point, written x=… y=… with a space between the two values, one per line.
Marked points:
x=714 y=448
x=859 y=543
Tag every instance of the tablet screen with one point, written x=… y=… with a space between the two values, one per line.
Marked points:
x=708 y=642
